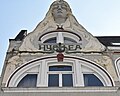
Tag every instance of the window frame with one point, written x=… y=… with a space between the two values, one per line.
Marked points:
x=60 y=73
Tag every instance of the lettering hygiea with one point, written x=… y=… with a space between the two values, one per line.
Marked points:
x=47 y=47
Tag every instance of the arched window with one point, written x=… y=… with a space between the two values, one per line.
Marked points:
x=60 y=76
x=50 y=40
x=48 y=72
x=60 y=37
x=69 y=40
x=65 y=40
x=91 y=80
x=28 y=81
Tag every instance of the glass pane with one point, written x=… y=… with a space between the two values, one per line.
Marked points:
x=28 y=81
x=67 y=80
x=51 y=40
x=60 y=68
x=53 y=80
x=69 y=40
x=91 y=80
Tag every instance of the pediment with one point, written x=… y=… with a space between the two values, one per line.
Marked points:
x=61 y=26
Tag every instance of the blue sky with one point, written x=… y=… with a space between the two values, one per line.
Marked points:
x=99 y=17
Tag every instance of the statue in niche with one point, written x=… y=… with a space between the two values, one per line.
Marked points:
x=60 y=14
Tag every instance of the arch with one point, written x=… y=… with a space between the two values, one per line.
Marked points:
x=100 y=72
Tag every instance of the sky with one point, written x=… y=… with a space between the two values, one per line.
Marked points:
x=99 y=17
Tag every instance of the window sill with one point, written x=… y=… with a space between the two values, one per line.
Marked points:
x=63 y=89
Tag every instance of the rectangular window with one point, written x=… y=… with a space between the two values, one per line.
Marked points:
x=53 y=80
x=67 y=80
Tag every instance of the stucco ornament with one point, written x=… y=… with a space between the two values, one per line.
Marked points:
x=12 y=64
x=107 y=63
x=16 y=61
x=60 y=14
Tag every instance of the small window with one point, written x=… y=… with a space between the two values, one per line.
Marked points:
x=50 y=40
x=92 y=80
x=69 y=40
x=28 y=81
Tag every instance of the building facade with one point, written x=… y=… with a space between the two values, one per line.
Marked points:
x=60 y=58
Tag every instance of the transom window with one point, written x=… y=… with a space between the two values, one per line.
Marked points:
x=60 y=68
x=60 y=76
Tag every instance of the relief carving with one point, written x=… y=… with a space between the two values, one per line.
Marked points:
x=13 y=63
x=106 y=63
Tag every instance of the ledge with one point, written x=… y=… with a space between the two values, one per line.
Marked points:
x=65 y=89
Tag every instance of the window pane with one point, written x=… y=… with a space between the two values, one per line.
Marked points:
x=91 y=80
x=69 y=40
x=28 y=81
x=60 y=68
x=53 y=80
x=67 y=80
x=51 y=40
